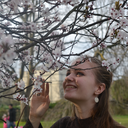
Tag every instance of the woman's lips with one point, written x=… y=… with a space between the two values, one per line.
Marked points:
x=70 y=87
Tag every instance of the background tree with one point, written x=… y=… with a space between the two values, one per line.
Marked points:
x=34 y=33
x=120 y=91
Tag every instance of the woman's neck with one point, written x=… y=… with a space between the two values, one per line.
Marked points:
x=83 y=112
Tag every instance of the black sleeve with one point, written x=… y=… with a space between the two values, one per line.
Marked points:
x=29 y=125
x=14 y=114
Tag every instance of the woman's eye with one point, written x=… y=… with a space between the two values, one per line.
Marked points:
x=79 y=74
x=68 y=73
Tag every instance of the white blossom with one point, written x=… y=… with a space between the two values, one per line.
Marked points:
x=121 y=35
x=33 y=27
x=6 y=82
x=37 y=83
x=1 y=32
x=45 y=12
x=16 y=95
x=37 y=90
x=28 y=58
x=103 y=46
x=9 y=56
x=123 y=22
x=24 y=99
x=21 y=84
x=57 y=52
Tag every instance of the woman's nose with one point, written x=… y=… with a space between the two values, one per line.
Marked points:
x=69 y=77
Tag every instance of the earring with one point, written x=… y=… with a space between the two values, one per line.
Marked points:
x=96 y=99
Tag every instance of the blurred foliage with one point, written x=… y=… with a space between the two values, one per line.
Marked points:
x=119 y=92
x=52 y=105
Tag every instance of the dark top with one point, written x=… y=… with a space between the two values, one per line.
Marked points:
x=12 y=115
x=66 y=122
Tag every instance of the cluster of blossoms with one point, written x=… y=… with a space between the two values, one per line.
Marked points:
x=7 y=51
x=45 y=12
x=103 y=45
x=74 y=2
x=13 y=4
x=57 y=48
x=31 y=27
x=119 y=34
x=98 y=41
x=119 y=30
x=50 y=61
x=37 y=84
x=21 y=98
x=7 y=80
x=117 y=11
x=110 y=63
x=21 y=84
x=25 y=56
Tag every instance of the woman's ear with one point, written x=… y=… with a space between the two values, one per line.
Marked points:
x=100 y=89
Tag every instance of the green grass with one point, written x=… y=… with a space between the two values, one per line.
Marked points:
x=46 y=124
x=122 y=119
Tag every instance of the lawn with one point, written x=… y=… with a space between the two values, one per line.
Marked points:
x=122 y=119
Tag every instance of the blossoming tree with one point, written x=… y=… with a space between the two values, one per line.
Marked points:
x=48 y=32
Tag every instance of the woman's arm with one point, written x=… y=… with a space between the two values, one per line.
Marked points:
x=39 y=105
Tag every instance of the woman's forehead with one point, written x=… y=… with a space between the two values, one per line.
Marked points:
x=85 y=65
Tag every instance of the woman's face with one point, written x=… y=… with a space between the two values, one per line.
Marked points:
x=80 y=85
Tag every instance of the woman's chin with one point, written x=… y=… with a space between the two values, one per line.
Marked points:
x=69 y=97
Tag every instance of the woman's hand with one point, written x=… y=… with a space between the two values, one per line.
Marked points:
x=39 y=105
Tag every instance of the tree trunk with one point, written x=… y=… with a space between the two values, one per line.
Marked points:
x=27 y=92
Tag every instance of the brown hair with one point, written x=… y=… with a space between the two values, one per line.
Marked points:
x=100 y=113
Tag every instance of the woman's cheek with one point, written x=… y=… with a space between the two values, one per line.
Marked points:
x=77 y=81
x=64 y=84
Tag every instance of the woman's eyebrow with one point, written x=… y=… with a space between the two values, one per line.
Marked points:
x=78 y=69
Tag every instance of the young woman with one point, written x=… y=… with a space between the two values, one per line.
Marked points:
x=87 y=86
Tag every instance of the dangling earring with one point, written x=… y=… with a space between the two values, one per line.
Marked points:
x=96 y=99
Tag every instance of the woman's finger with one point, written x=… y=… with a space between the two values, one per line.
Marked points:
x=43 y=88
x=47 y=89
